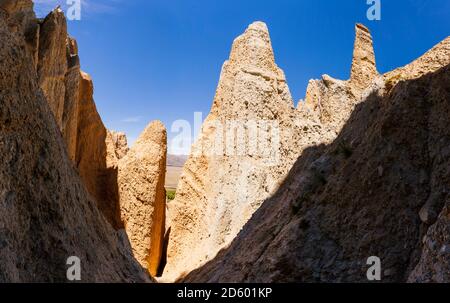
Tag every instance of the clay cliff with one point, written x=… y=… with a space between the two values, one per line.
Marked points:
x=94 y=151
x=141 y=179
x=69 y=93
x=248 y=143
x=46 y=215
x=117 y=147
x=270 y=192
x=381 y=188
x=330 y=101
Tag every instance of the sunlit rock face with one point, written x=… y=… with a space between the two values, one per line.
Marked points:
x=141 y=179
x=330 y=101
x=380 y=188
x=247 y=145
x=46 y=215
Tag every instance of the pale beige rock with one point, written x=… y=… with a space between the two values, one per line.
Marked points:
x=141 y=178
x=430 y=62
x=247 y=145
x=59 y=73
x=364 y=68
x=330 y=101
x=20 y=15
x=16 y=6
x=117 y=145
x=116 y=148
x=69 y=92
x=91 y=156
x=46 y=215
x=359 y=196
x=348 y=199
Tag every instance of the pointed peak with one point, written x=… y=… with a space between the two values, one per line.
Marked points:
x=87 y=86
x=253 y=49
x=364 y=68
x=56 y=15
x=58 y=10
x=157 y=125
x=361 y=27
x=258 y=26
x=85 y=76
x=72 y=45
x=155 y=131
x=434 y=59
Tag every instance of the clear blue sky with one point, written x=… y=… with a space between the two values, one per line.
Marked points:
x=161 y=59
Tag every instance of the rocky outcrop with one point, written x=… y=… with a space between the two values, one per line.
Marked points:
x=69 y=92
x=364 y=68
x=141 y=179
x=430 y=62
x=20 y=17
x=46 y=215
x=434 y=264
x=248 y=143
x=270 y=193
x=95 y=152
x=52 y=62
x=117 y=146
x=91 y=156
x=73 y=90
x=330 y=101
x=364 y=194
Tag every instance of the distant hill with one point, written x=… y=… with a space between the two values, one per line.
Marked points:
x=176 y=160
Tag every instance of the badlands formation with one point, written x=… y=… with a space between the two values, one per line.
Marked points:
x=46 y=213
x=270 y=192
x=379 y=188
x=234 y=165
x=142 y=195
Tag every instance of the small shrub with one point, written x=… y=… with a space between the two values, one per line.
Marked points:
x=171 y=194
